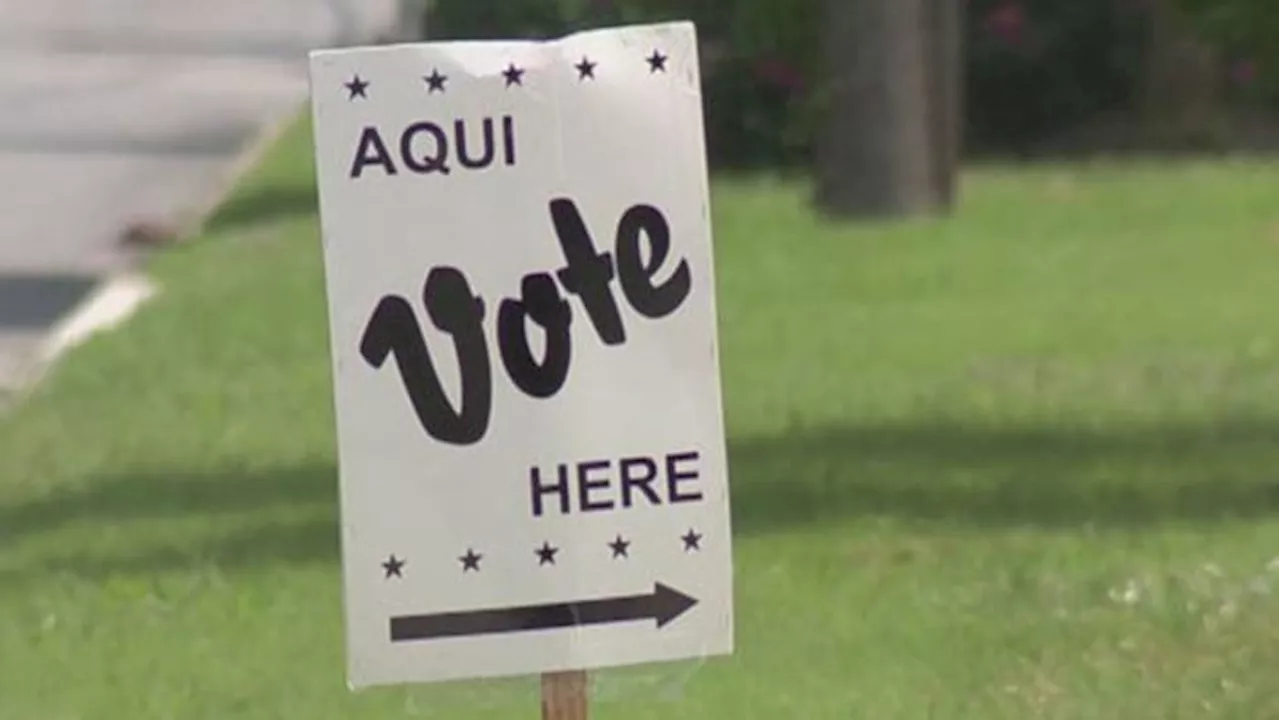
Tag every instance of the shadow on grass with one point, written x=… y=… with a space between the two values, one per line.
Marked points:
x=230 y=520
x=954 y=474
x=120 y=499
x=1030 y=476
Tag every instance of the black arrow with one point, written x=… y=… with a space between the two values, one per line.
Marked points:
x=662 y=605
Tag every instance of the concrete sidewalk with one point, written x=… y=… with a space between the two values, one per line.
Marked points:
x=113 y=110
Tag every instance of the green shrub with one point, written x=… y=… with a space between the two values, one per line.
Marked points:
x=1245 y=32
x=1036 y=68
x=1033 y=68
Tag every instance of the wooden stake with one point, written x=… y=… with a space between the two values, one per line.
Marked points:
x=564 y=695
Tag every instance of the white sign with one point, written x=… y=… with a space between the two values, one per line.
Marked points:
x=518 y=261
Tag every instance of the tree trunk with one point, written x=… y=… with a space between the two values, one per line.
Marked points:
x=875 y=157
x=945 y=68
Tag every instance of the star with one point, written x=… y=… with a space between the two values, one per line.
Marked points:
x=513 y=75
x=356 y=87
x=619 y=547
x=393 y=566
x=547 y=554
x=470 y=561
x=586 y=69
x=691 y=540
x=657 y=62
x=435 y=81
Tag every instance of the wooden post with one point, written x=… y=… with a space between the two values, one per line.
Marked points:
x=564 y=695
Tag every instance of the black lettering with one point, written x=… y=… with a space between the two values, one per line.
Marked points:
x=675 y=476
x=394 y=330
x=435 y=162
x=541 y=302
x=587 y=273
x=560 y=488
x=370 y=140
x=636 y=276
x=586 y=484
x=460 y=144
x=630 y=470
x=509 y=139
x=455 y=309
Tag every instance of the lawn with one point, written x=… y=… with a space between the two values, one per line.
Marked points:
x=1017 y=464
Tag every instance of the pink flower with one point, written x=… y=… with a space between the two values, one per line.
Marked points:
x=1008 y=22
x=1244 y=72
x=779 y=74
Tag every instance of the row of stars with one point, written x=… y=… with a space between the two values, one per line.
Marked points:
x=620 y=548
x=358 y=87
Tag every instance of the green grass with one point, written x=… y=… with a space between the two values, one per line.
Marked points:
x=1018 y=464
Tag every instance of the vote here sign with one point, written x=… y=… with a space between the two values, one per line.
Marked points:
x=518 y=262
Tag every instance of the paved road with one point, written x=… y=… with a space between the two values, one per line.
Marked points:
x=115 y=109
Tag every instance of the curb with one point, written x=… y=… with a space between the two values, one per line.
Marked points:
x=117 y=297
x=244 y=161
x=108 y=305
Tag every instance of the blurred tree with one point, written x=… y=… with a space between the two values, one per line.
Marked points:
x=1041 y=71
x=1034 y=77
x=1181 y=91
x=890 y=131
x=1243 y=30
x=1247 y=37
